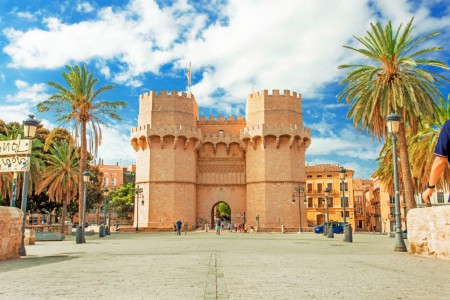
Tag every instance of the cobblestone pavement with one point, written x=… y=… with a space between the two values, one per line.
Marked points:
x=229 y=266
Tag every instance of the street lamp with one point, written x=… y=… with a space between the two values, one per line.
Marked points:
x=393 y=124
x=138 y=195
x=300 y=192
x=327 y=230
x=80 y=232
x=30 y=126
x=108 y=227
x=347 y=228
x=102 y=230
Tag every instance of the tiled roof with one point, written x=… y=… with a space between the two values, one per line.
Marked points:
x=324 y=168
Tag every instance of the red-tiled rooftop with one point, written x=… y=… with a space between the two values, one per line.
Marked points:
x=324 y=168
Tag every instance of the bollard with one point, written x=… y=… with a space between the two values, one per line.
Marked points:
x=348 y=233
x=101 y=232
x=282 y=228
x=330 y=232
x=78 y=238
x=325 y=229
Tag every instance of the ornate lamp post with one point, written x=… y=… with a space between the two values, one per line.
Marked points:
x=347 y=228
x=328 y=229
x=138 y=193
x=30 y=126
x=393 y=124
x=300 y=192
x=108 y=228
x=102 y=230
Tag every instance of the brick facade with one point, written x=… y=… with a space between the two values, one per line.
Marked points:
x=186 y=165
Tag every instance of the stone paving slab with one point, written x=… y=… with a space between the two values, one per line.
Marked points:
x=229 y=266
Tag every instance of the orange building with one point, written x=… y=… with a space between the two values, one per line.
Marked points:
x=360 y=189
x=327 y=176
x=112 y=176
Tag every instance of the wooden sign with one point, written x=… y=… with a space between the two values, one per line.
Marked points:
x=15 y=147
x=15 y=164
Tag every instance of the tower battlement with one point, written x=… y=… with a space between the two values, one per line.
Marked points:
x=164 y=94
x=221 y=120
x=276 y=93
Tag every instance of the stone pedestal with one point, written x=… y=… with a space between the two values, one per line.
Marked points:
x=429 y=231
x=11 y=219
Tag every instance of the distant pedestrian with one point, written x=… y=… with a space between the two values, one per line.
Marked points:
x=175 y=228
x=229 y=226
x=185 y=227
x=218 y=226
x=235 y=227
x=179 y=223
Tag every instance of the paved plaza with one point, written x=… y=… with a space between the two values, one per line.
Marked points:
x=230 y=266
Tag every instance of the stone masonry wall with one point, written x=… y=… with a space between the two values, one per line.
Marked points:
x=10 y=232
x=429 y=231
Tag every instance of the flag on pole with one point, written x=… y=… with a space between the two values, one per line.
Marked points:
x=189 y=75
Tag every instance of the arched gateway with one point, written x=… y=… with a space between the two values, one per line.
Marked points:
x=186 y=165
x=221 y=210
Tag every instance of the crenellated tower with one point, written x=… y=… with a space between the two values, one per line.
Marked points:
x=187 y=166
x=166 y=142
x=275 y=157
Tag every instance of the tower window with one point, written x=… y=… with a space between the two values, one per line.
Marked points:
x=220 y=132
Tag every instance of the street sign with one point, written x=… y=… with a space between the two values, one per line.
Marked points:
x=14 y=147
x=15 y=164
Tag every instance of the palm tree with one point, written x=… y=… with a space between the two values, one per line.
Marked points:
x=61 y=175
x=424 y=143
x=78 y=105
x=394 y=80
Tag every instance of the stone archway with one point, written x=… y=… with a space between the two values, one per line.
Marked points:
x=216 y=214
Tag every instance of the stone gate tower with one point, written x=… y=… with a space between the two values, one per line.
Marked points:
x=187 y=165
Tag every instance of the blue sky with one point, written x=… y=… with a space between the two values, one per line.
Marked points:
x=234 y=46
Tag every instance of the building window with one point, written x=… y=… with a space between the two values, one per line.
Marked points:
x=329 y=175
x=320 y=202
x=114 y=181
x=221 y=132
x=358 y=199
x=330 y=201
x=440 y=197
x=358 y=210
x=308 y=176
x=310 y=202
x=345 y=201
x=309 y=185
x=346 y=186
x=106 y=182
x=319 y=187
x=392 y=212
x=347 y=214
x=330 y=186
x=391 y=200
x=319 y=176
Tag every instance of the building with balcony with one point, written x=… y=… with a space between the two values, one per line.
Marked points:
x=324 y=176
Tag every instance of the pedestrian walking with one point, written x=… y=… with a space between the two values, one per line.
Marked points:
x=218 y=226
x=185 y=227
x=440 y=162
x=179 y=223
x=229 y=226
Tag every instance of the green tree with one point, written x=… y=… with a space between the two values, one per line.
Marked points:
x=224 y=211
x=61 y=175
x=78 y=105
x=396 y=79
x=123 y=200
x=94 y=197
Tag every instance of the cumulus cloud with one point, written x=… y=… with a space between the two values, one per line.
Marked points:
x=27 y=93
x=84 y=7
x=25 y=15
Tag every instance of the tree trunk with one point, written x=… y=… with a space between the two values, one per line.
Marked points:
x=98 y=214
x=83 y=158
x=406 y=170
x=64 y=212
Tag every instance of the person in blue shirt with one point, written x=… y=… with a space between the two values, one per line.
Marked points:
x=179 y=227
x=218 y=226
x=440 y=162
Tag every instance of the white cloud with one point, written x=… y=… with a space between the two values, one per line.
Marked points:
x=2 y=77
x=30 y=94
x=116 y=146
x=25 y=15
x=84 y=7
